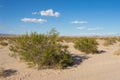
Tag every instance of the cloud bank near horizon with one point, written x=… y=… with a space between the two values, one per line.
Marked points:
x=34 y=20
x=79 y=22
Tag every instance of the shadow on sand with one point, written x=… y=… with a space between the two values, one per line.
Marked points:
x=78 y=59
x=100 y=51
x=8 y=72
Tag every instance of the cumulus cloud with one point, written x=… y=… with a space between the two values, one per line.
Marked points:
x=80 y=28
x=79 y=22
x=49 y=12
x=33 y=20
x=94 y=29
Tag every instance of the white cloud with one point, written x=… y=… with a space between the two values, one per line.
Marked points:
x=94 y=29
x=80 y=28
x=98 y=33
x=49 y=12
x=110 y=33
x=33 y=20
x=79 y=22
x=34 y=13
x=90 y=29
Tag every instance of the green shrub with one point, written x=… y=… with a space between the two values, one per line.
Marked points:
x=4 y=43
x=42 y=50
x=87 y=45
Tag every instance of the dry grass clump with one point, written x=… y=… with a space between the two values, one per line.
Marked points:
x=2 y=38
x=42 y=50
x=5 y=40
x=86 y=44
x=118 y=38
x=4 y=43
x=117 y=52
x=109 y=41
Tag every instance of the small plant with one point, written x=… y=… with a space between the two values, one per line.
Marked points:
x=117 y=52
x=42 y=50
x=109 y=41
x=87 y=45
x=4 y=43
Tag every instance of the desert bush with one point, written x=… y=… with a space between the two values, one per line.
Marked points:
x=42 y=50
x=87 y=45
x=109 y=41
x=4 y=43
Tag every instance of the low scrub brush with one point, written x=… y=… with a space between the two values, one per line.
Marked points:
x=42 y=50
x=87 y=45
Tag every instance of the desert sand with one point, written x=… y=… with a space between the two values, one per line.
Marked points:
x=104 y=66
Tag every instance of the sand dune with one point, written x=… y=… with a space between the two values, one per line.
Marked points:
x=104 y=66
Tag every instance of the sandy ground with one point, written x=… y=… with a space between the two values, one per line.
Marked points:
x=104 y=66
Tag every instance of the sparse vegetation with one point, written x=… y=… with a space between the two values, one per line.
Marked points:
x=42 y=50
x=118 y=39
x=87 y=45
x=68 y=39
x=117 y=52
x=3 y=43
x=109 y=41
x=2 y=38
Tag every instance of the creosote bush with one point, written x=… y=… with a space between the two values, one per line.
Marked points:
x=42 y=50
x=87 y=45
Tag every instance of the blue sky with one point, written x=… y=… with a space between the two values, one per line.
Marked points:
x=69 y=17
